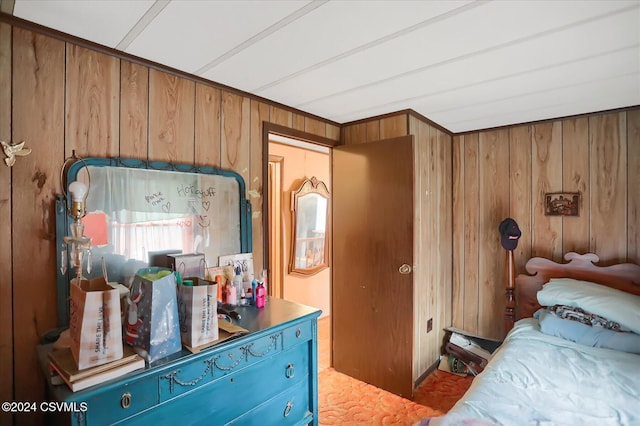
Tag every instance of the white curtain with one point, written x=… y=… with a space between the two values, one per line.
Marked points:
x=134 y=240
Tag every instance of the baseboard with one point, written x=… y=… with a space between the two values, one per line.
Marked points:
x=424 y=375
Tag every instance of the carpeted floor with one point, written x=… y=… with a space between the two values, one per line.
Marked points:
x=441 y=390
x=344 y=400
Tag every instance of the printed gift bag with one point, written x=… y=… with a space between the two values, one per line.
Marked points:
x=152 y=320
x=95 y=327
x=198 y=310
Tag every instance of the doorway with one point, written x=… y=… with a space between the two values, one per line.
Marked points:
x=290 y=162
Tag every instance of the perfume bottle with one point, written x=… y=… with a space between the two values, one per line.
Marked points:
x=232 y=298
x=254 y=286
x=261 y=295
x=237 y=285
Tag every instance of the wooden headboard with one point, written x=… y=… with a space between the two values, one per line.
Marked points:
x=623 y=276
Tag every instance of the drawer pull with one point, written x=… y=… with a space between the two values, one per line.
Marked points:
x=290 y=371
x=298 y=333
x=125 y=400
x=287 y=409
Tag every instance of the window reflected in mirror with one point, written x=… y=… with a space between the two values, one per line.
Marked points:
x=310 y=205
x=135 y=214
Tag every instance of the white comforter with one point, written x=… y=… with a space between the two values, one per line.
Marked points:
x=536 y=379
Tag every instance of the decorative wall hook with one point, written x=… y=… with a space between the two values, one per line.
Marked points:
x=11 y=150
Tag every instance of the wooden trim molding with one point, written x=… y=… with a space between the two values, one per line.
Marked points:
x=6 y=17
x=298 y=134
x=549 y=120
x=50 y=32
x=377 y=117
x=7 y=6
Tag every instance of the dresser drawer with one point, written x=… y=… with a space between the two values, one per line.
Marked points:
x=291 y=407
x=127 y=400
x=297 y=334
x=200 y=372
x=227 y=398
x=248 y=388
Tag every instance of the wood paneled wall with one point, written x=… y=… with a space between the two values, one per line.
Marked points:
x=506 y=172
x=432 y=225
x=59 y=97
x=376 y=128
x=433 y=241
x=6 y=246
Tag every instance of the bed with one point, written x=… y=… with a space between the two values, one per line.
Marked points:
x=558 y=370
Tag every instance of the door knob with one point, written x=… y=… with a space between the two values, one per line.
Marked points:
x=405 y=269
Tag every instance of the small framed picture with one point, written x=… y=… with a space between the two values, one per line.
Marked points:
x=562 y=204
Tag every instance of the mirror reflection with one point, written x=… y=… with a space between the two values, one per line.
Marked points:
x=137 y=216
x=310 y=213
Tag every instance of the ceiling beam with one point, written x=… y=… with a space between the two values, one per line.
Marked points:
x=140 y=26
x=262 y=35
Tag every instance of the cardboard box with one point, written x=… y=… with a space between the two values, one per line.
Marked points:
x=189 y=264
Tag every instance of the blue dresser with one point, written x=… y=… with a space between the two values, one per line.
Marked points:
x=268 y=377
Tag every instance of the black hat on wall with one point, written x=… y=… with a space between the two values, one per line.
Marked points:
x=509 y=234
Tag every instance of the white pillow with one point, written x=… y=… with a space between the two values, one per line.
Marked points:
x=615 y=305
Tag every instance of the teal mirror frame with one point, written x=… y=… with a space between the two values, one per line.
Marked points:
x=63 y=220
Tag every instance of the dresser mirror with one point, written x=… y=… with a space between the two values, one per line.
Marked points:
x=138 y=211
x=310 y=250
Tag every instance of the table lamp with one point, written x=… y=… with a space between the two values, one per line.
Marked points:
x=77 y=240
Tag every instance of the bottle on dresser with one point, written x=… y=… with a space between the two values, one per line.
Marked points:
x=237 y=285
x=261 y=295
x=231 y=298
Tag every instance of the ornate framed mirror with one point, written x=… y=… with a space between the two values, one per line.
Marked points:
x=139 y=211
x=309 y=245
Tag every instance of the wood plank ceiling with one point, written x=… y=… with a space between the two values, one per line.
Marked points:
x=466 y=65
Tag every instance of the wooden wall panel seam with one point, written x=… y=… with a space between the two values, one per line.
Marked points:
x=7 y=392
x=148 y=113
x=562 y=188
x=633 y=186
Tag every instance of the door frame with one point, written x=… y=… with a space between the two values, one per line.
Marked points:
x=275 y=210
x=277 y=129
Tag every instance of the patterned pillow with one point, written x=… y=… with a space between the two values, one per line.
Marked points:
x=587 y=335
x=615 y=305
x=580 y=315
